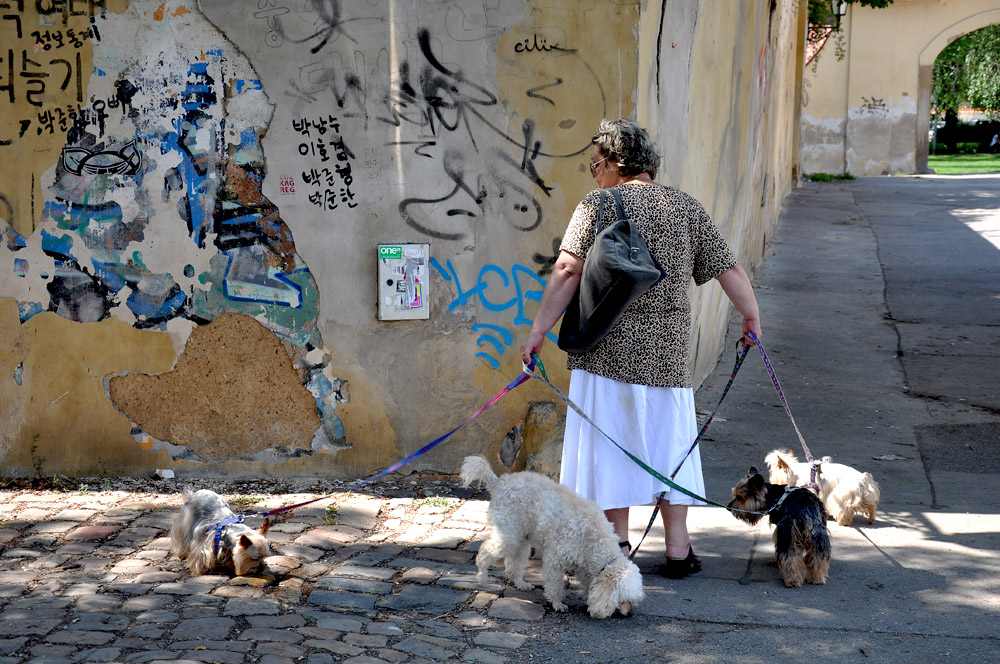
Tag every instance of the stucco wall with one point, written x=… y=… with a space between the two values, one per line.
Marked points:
x=194 y=197
x=868 y=114
x=721 y=90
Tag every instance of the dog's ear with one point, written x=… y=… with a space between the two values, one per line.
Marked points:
x=245 y=542
x=753 y=471
x=756 y=481
x=782 y=464
x=602 y=600
x=264 y=527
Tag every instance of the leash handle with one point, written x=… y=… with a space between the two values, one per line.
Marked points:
x=781 y=395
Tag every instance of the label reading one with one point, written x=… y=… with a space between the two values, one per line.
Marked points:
x=390 y=253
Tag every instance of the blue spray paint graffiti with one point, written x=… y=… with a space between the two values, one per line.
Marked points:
x=527 y=286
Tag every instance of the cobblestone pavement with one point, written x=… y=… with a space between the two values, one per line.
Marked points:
x=360 y=578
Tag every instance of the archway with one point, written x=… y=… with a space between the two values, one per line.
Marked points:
x=926 y=73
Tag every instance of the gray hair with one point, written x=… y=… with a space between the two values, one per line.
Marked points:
x=628 y=145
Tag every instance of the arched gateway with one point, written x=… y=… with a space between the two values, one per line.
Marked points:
x=868 y=112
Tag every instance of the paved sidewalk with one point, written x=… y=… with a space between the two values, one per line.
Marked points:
x=880 y=310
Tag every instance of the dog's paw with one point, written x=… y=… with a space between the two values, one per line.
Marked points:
x=521 y=584
x=559 y=607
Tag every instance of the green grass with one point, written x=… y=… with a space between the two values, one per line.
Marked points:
x=960 y=164
x=831 y=177
x=436 y=501
x=245 y=501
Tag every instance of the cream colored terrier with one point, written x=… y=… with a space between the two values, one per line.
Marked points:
x=843 y=490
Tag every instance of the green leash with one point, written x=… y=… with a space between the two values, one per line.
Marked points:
x=541 y=375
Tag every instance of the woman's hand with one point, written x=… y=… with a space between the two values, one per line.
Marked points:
x=532 y=346
x=751 y=325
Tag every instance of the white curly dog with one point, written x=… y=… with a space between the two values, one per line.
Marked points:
x=572 y=534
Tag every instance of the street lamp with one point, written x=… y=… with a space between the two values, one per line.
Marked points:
x=839 y=8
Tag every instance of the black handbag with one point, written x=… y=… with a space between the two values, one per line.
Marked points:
x=617 y=270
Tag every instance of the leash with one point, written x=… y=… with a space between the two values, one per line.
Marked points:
x=540 y=375
x=781 y=395
x=399 y=464
x=741 y=355
x=814 y=465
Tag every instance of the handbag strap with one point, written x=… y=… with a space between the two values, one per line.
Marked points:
x=635 y=237
x=600 y=213
x=618 y=203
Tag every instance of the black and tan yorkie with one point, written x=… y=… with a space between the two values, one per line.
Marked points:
x=801 y=539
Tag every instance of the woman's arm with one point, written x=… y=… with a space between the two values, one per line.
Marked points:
x=558 y=292
x=736 y=284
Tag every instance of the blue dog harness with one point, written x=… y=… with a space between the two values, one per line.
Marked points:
x=218 y=531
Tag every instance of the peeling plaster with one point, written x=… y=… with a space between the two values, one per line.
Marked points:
x=176 y=231
x=233 y=393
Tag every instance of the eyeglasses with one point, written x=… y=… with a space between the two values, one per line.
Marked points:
x=593 y=165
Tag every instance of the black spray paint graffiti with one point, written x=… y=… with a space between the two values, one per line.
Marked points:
x=448 y=101
x=875 y=106
x=79 y=160
x=327 y=23
x=439 y=112
x=431 y=98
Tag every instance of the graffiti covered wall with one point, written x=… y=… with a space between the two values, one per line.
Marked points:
x=195 y=198
x=192 y=222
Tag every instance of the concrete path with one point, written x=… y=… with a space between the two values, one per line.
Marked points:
x=881 y=306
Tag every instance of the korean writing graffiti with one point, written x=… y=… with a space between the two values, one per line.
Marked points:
x=332 y=187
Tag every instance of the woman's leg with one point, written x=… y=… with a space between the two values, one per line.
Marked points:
x=675 y=530
x=619 y=520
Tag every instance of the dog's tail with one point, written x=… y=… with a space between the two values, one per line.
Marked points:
x=870 y=488
x=477 y=469
x=779 y=463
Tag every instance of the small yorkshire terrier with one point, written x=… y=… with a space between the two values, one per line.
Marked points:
x=801 y=539
x=844 y=491
x=208 y=534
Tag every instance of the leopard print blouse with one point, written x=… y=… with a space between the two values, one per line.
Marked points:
x=649 y=345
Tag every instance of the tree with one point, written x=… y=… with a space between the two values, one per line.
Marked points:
x=967 y=73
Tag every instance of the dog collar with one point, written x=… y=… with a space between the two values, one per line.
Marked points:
x=814 y=471
x=776 y=505
x=218 y=530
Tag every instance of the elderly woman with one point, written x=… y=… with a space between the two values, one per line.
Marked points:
x=636 y=383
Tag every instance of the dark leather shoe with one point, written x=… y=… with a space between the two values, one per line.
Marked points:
x=678 y=568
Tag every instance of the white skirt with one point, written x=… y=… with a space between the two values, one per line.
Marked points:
x=656 y=424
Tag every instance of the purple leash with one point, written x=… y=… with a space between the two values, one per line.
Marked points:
x=781 y=395
x=523 y=376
